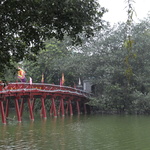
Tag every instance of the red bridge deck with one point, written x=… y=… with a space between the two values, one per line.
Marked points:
x=22 y=92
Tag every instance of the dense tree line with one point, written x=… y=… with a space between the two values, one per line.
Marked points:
x=114 y=91
x=101 y=59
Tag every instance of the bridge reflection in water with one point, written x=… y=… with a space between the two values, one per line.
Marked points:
x=25 y=92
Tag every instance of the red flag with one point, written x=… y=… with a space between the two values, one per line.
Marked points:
x=63 y=79
x=60 y=82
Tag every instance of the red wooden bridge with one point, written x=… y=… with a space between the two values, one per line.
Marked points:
x=20 y=93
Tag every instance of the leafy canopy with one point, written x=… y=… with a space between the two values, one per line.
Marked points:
x=25 y=25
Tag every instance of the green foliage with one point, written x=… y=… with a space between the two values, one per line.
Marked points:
x=129 y=41
x=25 y=25
x=49 y=62
x=101 y=59
x=141 y=103
x=113 y=93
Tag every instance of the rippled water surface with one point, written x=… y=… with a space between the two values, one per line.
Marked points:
x=84 y=132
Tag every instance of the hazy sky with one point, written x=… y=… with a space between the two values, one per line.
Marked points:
x=117 y=11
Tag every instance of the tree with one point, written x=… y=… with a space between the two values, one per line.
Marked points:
x=104 y=63
x=102 y=60
x=49 y=62
x=25 y=25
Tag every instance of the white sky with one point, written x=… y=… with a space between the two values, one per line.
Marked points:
x=117 y=11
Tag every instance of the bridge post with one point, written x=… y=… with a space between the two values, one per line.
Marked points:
x=7 y=108
x=78 y=107
x=70 y=107
x=30 y=109
x=61 y=107
x=43 y=108
x=2 y=112
x=67 y=107
x=33 y=102
x=17 y=109
x=21 y=107
x=85 y=111
x=53 y=108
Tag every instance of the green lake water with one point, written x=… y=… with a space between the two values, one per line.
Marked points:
x=84 y=132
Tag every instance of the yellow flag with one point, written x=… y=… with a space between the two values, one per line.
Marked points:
x=42 y=80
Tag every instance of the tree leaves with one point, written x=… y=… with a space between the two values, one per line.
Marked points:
x=25 y=25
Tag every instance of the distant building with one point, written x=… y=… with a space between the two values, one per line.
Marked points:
x=87 y=86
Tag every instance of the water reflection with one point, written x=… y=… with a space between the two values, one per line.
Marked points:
x=62 y=134
x=77 y=133
x=3 y=135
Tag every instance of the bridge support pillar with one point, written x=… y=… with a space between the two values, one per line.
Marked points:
x=7 y=108
x=78 y=107
x=30 y=110
x=53 y=108
x=67 y=107
x=21 y=107
x=85 y=111
x=43 y=108
x=70 y=107
x=2 y=112
x=61 y=107
x=33 y=102
x=17 y=110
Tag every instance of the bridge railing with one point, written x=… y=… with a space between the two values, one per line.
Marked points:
x=41 y=87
